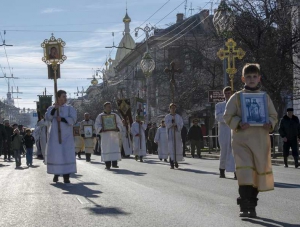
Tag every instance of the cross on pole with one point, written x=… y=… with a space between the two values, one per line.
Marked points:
x=171 y=73
x=231 y=53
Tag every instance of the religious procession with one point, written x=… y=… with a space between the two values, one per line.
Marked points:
x=186 y=131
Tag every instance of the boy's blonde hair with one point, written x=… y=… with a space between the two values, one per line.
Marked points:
x=250 y=68
x=16 y=130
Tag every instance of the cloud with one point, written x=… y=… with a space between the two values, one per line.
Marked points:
x=52 y=10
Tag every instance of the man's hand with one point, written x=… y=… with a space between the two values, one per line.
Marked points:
x=56 y=106
x=267 y=126
x=244 y=125
x=58 y=119
x=137 y=135
x=284 y=139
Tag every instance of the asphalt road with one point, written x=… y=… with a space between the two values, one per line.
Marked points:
x=140 y=194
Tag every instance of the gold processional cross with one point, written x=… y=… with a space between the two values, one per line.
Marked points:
x=231 y=53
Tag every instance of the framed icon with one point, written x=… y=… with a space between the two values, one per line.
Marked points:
x=254 y=108
x=76 y=131
x=88 y=131
x=109 y=122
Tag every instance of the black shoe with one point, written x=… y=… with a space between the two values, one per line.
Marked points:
x=176 y=165
x=115 y=166
x=79 y=155
x=141 y=160
x=193 y=156
x=66 y=178
x=108 y=168
x=160 y=159
x=296 y=166
x=286 y=166
x=222 y=173
x=136 y=158
x=67 y=181
x=172 y=167
x=55 y=178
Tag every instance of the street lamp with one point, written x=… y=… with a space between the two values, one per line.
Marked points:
x=147 y=63
x=224 y=21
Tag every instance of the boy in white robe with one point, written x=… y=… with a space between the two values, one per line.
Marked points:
x=162 y=142
x=174 y=125
x=139 y=140
x=60 y=156
x=89 y=141
x=110 y=147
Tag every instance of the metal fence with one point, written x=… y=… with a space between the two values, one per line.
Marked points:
x=211 y=144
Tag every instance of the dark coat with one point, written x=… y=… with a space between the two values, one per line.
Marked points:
x=3 y=135
x=195 y=133
x=183 y=134
x=9 y=131
x=28 y=140
x=289 y=127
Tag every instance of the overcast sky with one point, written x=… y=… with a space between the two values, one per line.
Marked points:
x=86 y=27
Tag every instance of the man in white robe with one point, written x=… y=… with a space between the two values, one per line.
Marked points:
x=139 y=140
x=174 y=124
x=60 y=156
x=224 y=136
x=162 y=142
x=110 y=148
x=126 y=139
x=89 y=137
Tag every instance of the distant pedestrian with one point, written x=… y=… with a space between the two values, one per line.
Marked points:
x=3 y=138
x=17 y=142
x=162 y=141
x=151 y=135
x=28 y=140
x=7 y=150
x=184 y=132
x=196 y=138
x=289 y=130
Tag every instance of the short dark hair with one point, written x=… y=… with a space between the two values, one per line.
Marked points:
x=228 y=88
x=251 y=68
x=60 y=92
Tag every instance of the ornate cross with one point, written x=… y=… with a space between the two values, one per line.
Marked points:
x=171 y=73
x=231 y=53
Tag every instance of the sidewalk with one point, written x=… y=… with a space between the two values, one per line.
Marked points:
x=216 y=155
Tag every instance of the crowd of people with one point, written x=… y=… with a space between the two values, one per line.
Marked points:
x=245 y=149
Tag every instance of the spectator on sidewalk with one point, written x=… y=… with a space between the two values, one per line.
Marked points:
x=16 y=144
x=7 y=143
x=196 y=138
x=289 y=130
x=28 y=140
x=183 y=138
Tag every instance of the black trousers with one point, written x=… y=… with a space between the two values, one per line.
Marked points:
x=111 y=163
x=293 y=144
x=7 y=149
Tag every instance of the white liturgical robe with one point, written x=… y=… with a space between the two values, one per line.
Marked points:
x=126 y=141
x=61 y=157
x=139 y=142
x=170 y=133
x=224 y=136
x=162 y=142
x=110 y=147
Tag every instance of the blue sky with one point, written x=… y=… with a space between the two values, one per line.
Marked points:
x=86 y=27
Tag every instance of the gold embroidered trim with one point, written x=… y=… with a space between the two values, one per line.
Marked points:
x=245 y=167
x=266 y=173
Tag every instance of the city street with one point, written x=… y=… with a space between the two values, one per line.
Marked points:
x=140 y=194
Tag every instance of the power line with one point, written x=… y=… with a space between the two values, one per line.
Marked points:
x=184 y=33
x=23 y=30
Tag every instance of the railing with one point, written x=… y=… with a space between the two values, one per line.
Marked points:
x=210 y=143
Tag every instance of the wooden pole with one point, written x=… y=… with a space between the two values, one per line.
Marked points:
x=54 y=67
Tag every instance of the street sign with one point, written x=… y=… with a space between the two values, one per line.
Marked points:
x=34 y=115
x=215 y=96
